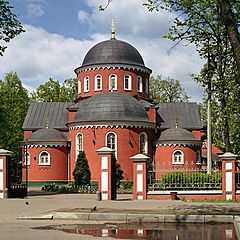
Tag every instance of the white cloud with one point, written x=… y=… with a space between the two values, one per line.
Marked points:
x=83 y=16
x=35 y=8
x=37 y=54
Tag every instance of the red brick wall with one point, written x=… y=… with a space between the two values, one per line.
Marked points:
x=120 y=81
x=163 y=157
x=125 y=149
x=57 y=171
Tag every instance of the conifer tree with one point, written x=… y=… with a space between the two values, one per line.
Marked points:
x=81 y=173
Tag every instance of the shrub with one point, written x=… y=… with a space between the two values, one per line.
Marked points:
x=81 y=173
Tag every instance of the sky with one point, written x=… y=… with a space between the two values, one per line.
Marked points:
x=59 y=33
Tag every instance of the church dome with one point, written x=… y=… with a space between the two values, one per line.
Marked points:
x=177 y=135
x=47 y=135
x=111 y=107
x=113 y=52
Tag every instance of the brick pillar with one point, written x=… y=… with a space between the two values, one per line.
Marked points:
x=106 y=173
x=139 y=176
x=228 y=175
x=4 y=184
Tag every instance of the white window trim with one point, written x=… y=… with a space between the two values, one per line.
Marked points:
x=28 y=159
x=96 y=84
x=109 y=82
x=139 y=84
x=39 y=158
x=129 y=82
x=178 y=163
x=79 y=86
x=116 y=145
x=86 y=79
x=77 y=150
x=146 y=142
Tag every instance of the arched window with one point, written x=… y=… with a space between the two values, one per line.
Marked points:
x=79 y=86
x=28 y=159
x=111 y=141
x=143 y=142
x=127 y=82
x=177 y=157
x=44 y=158
x=86 y=84
x=139 y=84
x=113 y=82
x=79 y=143
x=98 y=83
x=146 y=85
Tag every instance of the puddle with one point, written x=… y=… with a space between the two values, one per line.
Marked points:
x=173 y=231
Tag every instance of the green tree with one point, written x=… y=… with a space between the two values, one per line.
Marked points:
x=9 y=25
x=14 y=102
x=119 y=173
x=167 y=90
x=53 y=91
x=81 y=173
x=201 y=23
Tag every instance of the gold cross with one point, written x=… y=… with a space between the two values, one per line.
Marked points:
x=113 y=28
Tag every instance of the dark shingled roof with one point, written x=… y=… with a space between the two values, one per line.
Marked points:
x=47 y=135
x=187 y=115
x=113 y=51
x=177 y=135
x=55 y=112
x=111 y=106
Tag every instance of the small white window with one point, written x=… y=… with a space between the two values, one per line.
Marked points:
x=177 y=157
x=127 y=82
x=146 y=85
x=143 y=142
x=79 y=143
x=86 y=84
x=98 y=83
x=111 y=141
x=28 y=159
x=139 y=84
x=79 y=86
x=113 y=82
x=44 y=158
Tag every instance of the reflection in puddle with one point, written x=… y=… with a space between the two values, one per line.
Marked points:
x=175 y=231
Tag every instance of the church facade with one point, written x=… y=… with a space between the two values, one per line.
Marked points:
x=112 y=108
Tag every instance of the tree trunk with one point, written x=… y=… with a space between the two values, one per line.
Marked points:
x=231 y=28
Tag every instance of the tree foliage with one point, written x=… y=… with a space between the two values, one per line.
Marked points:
x=9 y=25
x=14 y=102
x=201 y=23
x=167 y=90
x=81 y=173
x=53 y=91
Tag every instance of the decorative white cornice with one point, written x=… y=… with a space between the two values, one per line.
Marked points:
x=177 y=144
x=113 y=66
x=117 y=125
x=46 y=145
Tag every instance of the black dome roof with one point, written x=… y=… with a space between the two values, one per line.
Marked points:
x=111 y=106
x=46 y=135
x=113 y=51
x=177 y=135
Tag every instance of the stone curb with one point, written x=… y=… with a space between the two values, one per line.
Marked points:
x=130 y=217
x=36 y=217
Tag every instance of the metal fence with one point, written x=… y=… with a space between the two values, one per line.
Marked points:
x=237 y=179
x=182 y=178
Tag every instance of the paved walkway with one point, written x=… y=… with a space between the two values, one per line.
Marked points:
x=69 y=204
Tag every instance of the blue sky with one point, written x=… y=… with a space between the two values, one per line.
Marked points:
x=60 y=32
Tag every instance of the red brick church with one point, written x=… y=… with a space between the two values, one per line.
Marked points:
x=112 y=109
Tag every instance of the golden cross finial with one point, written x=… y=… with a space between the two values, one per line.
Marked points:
x=176 y=122
x=46 y=123
x=113 y=28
